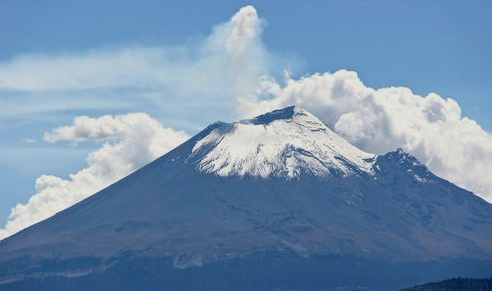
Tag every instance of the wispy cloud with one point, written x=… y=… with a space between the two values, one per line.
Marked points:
x=210 y=70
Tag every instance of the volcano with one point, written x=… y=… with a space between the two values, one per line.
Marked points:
x=277 y=202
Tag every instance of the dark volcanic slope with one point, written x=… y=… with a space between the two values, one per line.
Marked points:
x=279 y=201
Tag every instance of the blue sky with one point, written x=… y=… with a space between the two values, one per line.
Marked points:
x=427 y=46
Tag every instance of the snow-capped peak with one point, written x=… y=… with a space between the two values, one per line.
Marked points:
x=282 y=143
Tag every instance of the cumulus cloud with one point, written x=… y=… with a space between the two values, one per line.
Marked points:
x=429 y=127
x=130 y=141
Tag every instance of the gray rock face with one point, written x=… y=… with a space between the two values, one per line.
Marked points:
x=304 y=210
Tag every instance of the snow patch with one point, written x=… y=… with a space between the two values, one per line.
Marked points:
x=282 y=143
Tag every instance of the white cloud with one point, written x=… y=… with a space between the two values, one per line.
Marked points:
x=378 y=121
x=131 y=141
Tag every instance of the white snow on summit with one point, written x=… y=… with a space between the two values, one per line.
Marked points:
x=282 y=143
